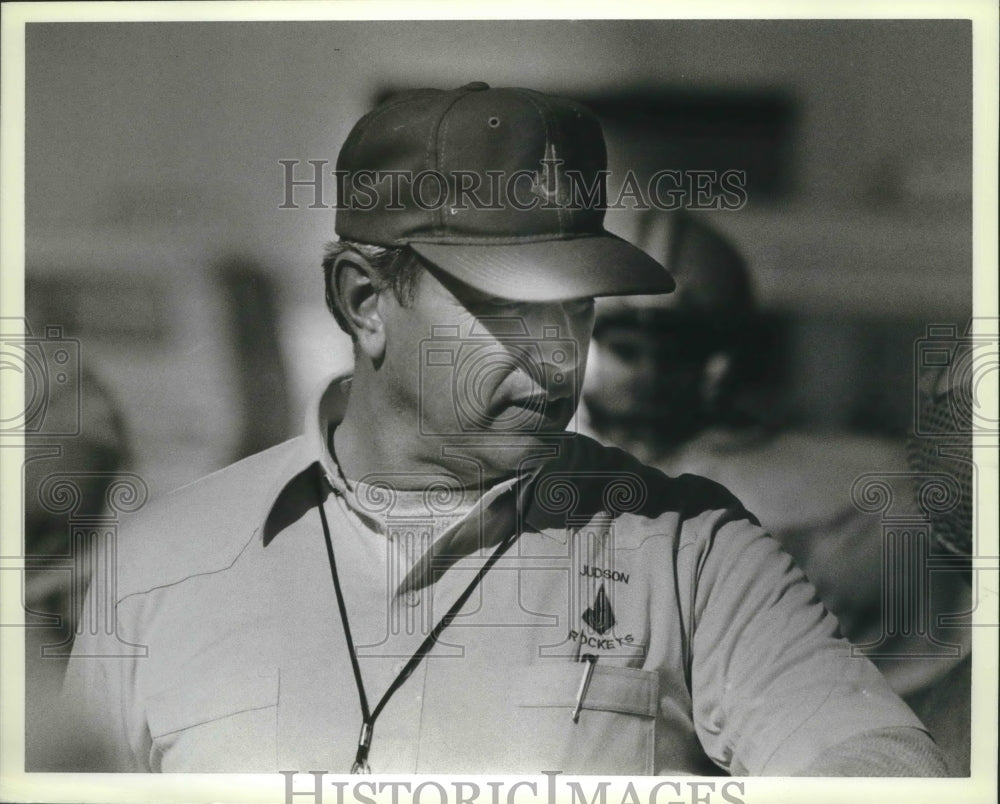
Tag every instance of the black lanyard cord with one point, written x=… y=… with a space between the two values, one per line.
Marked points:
x=370 y=715
x=361 y=762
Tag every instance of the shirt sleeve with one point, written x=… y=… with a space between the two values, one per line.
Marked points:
x=774 y=686
x=104 y=733
x=885 y=752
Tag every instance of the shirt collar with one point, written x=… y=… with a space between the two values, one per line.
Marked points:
x=295 y=491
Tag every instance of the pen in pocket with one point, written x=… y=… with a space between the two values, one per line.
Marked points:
x=590 y=660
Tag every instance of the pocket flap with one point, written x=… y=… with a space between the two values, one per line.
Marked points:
x=627 y=690
x=192 y=704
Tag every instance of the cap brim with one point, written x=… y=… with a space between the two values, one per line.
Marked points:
x=551 y=270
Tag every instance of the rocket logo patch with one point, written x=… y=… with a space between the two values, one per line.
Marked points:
x=600 y=616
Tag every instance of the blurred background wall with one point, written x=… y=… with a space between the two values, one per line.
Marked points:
x=154 y=185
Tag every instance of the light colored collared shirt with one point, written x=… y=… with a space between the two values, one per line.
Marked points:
x=713 y=652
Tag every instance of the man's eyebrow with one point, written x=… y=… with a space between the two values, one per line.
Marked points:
x=471 y=295
x=480 y=297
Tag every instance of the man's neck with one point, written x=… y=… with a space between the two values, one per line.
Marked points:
x=375 y=439
x=368 y=442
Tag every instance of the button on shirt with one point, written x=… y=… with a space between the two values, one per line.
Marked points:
x=713 y=653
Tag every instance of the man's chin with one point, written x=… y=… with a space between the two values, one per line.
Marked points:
x=535 y=419
x=505 y=438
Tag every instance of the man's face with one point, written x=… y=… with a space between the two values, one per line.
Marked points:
x=468 y=364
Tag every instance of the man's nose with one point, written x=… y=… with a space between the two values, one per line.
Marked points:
x=567 y=320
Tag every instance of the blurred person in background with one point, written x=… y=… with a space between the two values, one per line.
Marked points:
x=946 y=399
x=89 y=462
x=663 y=371
x=664 y=381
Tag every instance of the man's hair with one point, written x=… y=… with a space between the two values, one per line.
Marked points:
x=396 y=268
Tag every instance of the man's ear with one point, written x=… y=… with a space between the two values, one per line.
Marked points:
x=357 y=293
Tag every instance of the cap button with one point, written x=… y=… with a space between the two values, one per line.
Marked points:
x=476 y=86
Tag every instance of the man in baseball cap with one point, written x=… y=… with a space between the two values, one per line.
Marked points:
x=438 y=577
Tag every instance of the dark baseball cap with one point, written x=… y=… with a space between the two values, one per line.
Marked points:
x=503 y=189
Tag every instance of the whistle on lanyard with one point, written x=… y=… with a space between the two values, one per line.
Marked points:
x=364 y=744
x=590 y=662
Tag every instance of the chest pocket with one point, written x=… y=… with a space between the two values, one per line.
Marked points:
x=615 y=732
x=220 y=725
